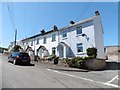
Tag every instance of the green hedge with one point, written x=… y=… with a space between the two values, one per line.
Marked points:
x=92 y=52
x=76 y=62
x=53 y=56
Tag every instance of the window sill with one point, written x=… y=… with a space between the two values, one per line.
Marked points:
x=78 y=35
x=54 y=41
x=81 y=53
x=64 y=38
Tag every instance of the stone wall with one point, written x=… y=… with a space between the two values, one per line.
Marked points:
x=113 y=52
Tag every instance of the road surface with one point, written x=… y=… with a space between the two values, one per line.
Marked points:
x=39 y=75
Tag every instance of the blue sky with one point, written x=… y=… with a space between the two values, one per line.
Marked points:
x=31 y=17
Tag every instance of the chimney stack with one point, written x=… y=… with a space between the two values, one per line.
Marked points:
x=72 y=22
x=55 y=27
x=97 y=13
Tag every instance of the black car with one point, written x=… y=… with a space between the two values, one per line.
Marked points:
x=19 y=58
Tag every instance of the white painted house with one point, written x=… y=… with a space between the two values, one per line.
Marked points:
x=69 y=41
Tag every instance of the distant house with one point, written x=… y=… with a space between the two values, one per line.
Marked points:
x=69 y=41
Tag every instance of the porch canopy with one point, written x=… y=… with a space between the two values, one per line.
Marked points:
x=41 y=47
x=29 y=49
x=64 y=44
x=42 y=52
x=63 y=50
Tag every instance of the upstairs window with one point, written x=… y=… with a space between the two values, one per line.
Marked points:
x=31 y=42
x=37 y=41
x=64 y=35
x=53 y=37
x=78 y=30
x=79 y=47
x=44 y=40
x=26 y=42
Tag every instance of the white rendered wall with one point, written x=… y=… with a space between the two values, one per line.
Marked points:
x=99 y=40
x=93 y=30
x=72 y=38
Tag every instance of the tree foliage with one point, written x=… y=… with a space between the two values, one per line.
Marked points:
x=92 y=52
x=16 y=48
x=1 y=48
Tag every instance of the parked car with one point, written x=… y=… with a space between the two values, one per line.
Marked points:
x=19 y=58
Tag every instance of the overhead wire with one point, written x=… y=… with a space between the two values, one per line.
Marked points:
x=11 y=16
x=85 y=9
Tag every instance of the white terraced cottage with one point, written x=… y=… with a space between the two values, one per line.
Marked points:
x=69 y=41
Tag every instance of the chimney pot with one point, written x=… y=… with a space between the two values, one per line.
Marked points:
x=97 y=13
x=72 y=22
x=55 y=27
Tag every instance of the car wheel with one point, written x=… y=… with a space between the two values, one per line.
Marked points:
x=14 y=62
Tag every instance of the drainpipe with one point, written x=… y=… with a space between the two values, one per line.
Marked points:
x=58 y=41
x=34 y=48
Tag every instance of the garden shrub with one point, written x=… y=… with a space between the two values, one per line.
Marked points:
x=90 y=57
x=16 y=48
x=76 y=62
x=92 y=52
x=53 y=56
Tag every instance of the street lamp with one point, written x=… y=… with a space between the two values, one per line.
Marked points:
x=87 y=38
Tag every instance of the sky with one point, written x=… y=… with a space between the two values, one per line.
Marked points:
x=29 y=18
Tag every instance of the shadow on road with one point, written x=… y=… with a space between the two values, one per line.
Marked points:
x=70 y=70
x=112 y=66
x=27 y=64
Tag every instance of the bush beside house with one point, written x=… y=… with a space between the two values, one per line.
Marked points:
x=90 y=62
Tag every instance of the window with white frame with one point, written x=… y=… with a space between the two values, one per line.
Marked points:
x=53 y=37
x=31 y=42
x=78 y=30
x=53 y=50
x=44 y=40
x=64 y=35
x=79 y=47
x=26 y=42
x=37 y=41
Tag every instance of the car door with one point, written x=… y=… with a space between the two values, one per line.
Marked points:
x=10 y=57
x=13 y=56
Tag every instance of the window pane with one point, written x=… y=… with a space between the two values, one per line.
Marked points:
x=64 y=35
x=79 y=30
x=80 y=44
x=32 y=43
x=37 y=41
x=79 y=47
x=53 y=37
x=44 y=40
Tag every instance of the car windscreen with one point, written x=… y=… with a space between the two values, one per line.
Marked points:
x=16 y=54
x=24 y=54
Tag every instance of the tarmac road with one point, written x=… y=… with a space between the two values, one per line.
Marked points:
x=39 y=75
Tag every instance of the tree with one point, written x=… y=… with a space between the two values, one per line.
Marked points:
x=16 y=48
x=1 y=48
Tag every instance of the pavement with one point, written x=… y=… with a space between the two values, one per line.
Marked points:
x=44 y=75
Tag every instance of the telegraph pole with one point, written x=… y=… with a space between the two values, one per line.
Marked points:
x=15 y=36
